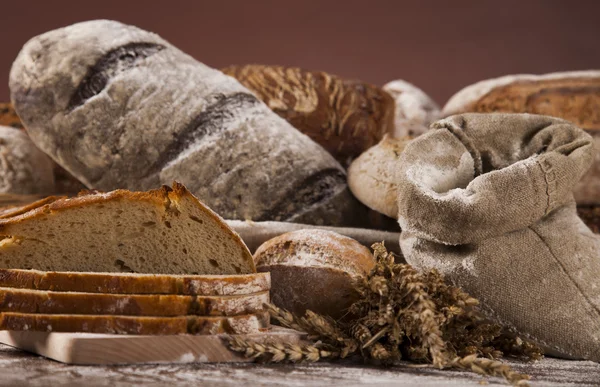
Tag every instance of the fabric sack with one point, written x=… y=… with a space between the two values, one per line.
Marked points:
x=487 y=200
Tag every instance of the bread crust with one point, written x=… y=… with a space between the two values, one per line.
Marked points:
x=197 y=325
x=314 y=269
x=39 y=301
x=372 y=177
x=345 y=117
x=415 y=110
x=132 y=283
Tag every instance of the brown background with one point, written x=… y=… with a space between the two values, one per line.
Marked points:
x=440 y=46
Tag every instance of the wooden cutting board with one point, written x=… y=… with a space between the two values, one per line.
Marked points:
x=92 y=348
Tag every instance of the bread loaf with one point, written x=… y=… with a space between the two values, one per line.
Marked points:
x=346 y=117
x=314 y=270
x=373 y=179
x=24 y=169
x=134 y=283
x=160 y=231
x=574 y=96
x=119 y=107
x=9 y=117
x=134 y=325
x=40 y=301
x=415 y=110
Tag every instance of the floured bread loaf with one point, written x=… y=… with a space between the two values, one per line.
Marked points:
x=346 y=117
x=574 y=96
x=314 y=270
x=24 y=169
x=135 y=283
x=120 y=107
x=159 y=231
x=39 y=301
x=134 y=325
x=373 y=177
x=415 y=110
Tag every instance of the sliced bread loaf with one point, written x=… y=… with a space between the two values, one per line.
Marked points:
x=39 y=301
x=159 y=231
x=133 y=283
x=197 y=325
x=314 y=270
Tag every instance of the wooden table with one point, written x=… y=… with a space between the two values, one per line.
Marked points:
x=19 y=368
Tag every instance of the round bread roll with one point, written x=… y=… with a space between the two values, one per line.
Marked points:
x=572 y=95
x=372 y=176
x=120 y=107
x=415 y=110
x=313 y=270
x=24 y=169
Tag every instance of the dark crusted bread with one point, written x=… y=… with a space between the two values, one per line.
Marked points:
x=345 y=116
x=41 y=301
x=573 y=95
x=163 y=231
x=133 y=325
x=120 y=107
x=24 y=169
x=314 y=270
x=133 y=283
x=9 y=117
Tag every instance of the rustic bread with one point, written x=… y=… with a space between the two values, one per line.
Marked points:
x=133 y=283
x=345 y=116
x=134 y=325
x=415 y=110
x=40 y=301
x=9 y=117
x=372 y=177
x=590 y=216
x=24 y=169
x=574 y=96
x=314 y=270
x=120 y=107
x=163 y=231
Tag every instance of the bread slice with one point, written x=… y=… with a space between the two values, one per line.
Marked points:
x=315 y=270
x=159 y=231
x=197 y=325
x=39 y=301
x=132 y=283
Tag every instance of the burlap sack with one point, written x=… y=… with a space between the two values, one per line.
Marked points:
x=486 y=199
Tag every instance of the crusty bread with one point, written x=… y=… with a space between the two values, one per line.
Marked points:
x=415 y=110
x=346 y=117
x=574 y=96
x=24 y=169
x=372 y=177
x=9 y=117
x=120 y=107
x=163 y=231
x=590 y=216
x=40 y=301
x=197 y=325
x=314 y=269
x=132 y=283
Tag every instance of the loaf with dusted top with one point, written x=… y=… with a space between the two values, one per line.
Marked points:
x=120 y=107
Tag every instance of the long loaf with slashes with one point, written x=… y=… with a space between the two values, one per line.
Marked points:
x=120 y=107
